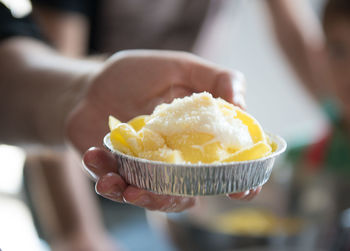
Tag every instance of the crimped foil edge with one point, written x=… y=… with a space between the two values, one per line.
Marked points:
x=196 y=179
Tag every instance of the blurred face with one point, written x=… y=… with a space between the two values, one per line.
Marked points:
x=338 y=37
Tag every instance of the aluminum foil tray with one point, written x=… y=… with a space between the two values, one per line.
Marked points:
x=196 y=179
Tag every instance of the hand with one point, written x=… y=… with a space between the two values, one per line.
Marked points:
x=102 y=167
x=133 y=83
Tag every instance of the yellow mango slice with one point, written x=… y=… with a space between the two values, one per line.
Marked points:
x=196 y=147
x=226 y=108
x=271 y=143
x=164 y=154
x=190 y=145
x=151 y=140
x=119 y=142
x=113 y=122
x=259 y=150
x=127 y=136
x=138 y=122
x=254 y=128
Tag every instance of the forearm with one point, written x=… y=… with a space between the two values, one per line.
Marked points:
x=299 y=34
x=37 y=91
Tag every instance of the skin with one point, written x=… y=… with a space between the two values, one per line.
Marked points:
x=68 y=33
x=69 y=79
x=80 y=94
x=301 y=39
x=164 y=76
x=57 y=76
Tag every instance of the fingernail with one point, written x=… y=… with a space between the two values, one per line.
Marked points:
x=250 y=195
x=239 y=100
x=114 y=191
x=142 y=201
x=238 y=81
x=89 y=171
x=246 y=193
x=114 y=194
x=238 y=86
x=90 y=166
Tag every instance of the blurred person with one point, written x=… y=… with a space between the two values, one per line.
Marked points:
x=77 y=28
x=319 y=52
x=45 y=96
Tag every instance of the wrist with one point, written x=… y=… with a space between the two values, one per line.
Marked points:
x=49 y=120
x=39 y=88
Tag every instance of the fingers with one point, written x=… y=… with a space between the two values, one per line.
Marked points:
x=101 y=166
x=239 y=89
x=238 y=196
x=151 y=201
x=227 y=84
x=247 y=195
x=98 y=162
x=111 y=186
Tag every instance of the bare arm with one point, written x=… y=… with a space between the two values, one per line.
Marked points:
x=300 y=36
x=41 y=91
x=38 y=89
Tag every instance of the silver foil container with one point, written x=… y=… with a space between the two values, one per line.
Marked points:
x=196 y=179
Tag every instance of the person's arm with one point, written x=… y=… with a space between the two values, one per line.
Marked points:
x=38 y=89
x=301 y=38
x=41 y=92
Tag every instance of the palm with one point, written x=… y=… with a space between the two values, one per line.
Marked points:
x=134 y=83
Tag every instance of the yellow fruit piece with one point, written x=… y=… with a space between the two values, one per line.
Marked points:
x=138 y=122
x=257 y=151
x=226 y=108
x=126 y=136
x=151 y=140
x=271 y=143
x=164 y=154
x=113 y=122
x=254 y=128
x=119 y=142
x=196 y=147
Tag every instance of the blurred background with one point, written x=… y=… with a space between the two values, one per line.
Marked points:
x=296 y=210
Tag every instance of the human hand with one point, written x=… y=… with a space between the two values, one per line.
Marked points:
x=102 y=167
x=133 y=83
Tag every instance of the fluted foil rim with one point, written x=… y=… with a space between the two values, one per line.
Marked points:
x=196 y=179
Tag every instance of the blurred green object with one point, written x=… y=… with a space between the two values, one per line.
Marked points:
x=330 y=152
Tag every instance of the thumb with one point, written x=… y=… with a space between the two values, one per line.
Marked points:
x=98 y=162
x=230 y=86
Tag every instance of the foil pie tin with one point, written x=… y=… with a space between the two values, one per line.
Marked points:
x=196 y=179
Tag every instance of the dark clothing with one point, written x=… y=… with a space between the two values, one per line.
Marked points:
x=10 y=26
x=148 y=24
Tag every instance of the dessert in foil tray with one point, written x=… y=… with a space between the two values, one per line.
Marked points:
x=223 y=148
